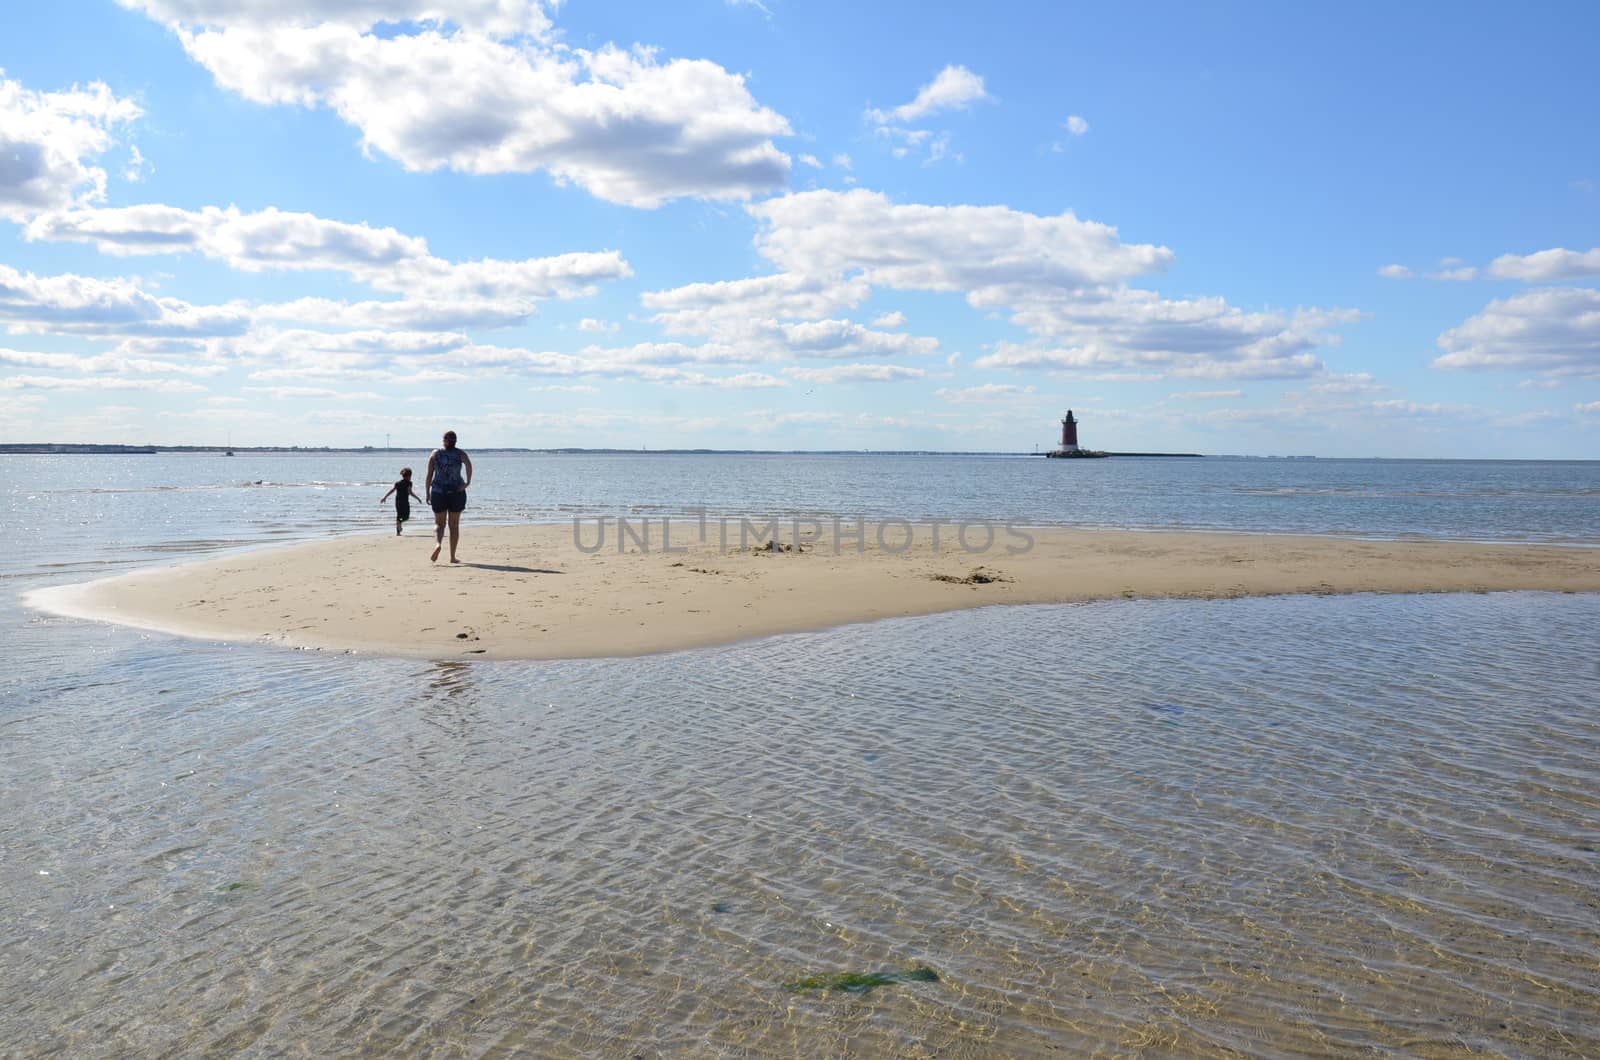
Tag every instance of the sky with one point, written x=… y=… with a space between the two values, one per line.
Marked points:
x=1352 y=229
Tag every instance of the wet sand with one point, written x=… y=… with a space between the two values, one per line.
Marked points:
x=535 y=592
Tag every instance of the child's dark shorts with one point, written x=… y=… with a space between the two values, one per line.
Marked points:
x=402 y=511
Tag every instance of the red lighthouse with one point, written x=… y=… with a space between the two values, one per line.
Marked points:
x=1069 y=432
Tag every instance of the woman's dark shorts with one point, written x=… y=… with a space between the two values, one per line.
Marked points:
x=448 y=500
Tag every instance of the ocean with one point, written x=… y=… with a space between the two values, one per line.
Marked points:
x=1276 y=826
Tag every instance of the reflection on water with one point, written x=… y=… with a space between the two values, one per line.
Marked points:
x=1277 y=826
x=451 y=700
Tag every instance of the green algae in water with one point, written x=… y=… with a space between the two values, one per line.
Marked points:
x=861 y=982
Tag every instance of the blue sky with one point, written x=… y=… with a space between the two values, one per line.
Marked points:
x=1354 y=230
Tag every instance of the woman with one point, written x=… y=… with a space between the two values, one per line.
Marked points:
x=449 y=475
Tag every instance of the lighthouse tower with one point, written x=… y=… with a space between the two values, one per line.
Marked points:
x=1069 y=433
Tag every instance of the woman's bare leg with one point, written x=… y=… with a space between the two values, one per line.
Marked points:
x=455 y=534
x=438 y=536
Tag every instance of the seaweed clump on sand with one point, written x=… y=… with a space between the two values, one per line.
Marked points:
x=861 y=982
x=979 y=576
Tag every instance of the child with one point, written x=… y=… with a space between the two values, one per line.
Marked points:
x=402 y=499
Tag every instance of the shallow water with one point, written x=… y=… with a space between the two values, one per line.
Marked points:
x=1278 y=825
x=1284 y=826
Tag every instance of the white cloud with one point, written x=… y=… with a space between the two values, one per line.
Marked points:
x=1395 y=272
x=843 y=338
x=856 y=373
x=476 y=87
x=1123 y=328
x=601 y=326
x=1547 y=265
x=282 y=393
x=137 y=165
x=774 y=317
x=1551 y=330
x=98 y=382
x=1060 y=277
x=1076 y=125
x=1457 y=274
x=704 y=308
x=47 y=140
x=563 y=388
x=273 y=239
x=942 y=248
x=953 y=88
x=82 y=305
x=1349 y=383
x=109 y=363
x=809 y=160
x=1590 y=408
x=987 y=394
x=405 y=313
x=488 y=16
x=1207 y=395
x=890 y=320
x=843 y=161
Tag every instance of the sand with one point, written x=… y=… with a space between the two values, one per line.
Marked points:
x=534 y=592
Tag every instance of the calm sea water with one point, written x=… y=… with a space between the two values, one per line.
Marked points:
x=1282 y=826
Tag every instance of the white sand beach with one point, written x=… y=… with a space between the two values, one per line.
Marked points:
x=530 y=592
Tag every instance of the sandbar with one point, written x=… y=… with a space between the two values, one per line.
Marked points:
x=546 y=591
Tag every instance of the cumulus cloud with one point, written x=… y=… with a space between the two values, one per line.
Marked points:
x=1125 y=328
x=1348 y=383
x=107 y=363
x=953 y=88
x=1549 y=330
x=96 y=382
x=942 y=248
x=889 y=320
x=1206 y=395
x=489 y=16
x=1547 y=265
x=417 y=314
x=273 y=239
x=477 y=86
x=1076 y=125
x=1395 y=272
x=82 y=305
x=48 y=140
x=295 y=392
x=986 y=394
x=727 y=306
x=856 y=373
x=1061 y=278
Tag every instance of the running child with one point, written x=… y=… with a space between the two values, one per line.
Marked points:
x=402 y=499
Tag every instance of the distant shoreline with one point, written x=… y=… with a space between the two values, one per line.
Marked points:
x=90 y=449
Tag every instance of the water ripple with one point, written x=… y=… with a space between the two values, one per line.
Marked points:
x=1275 y=826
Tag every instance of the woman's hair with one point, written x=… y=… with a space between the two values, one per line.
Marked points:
x=449 y=439
x=405 y=472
